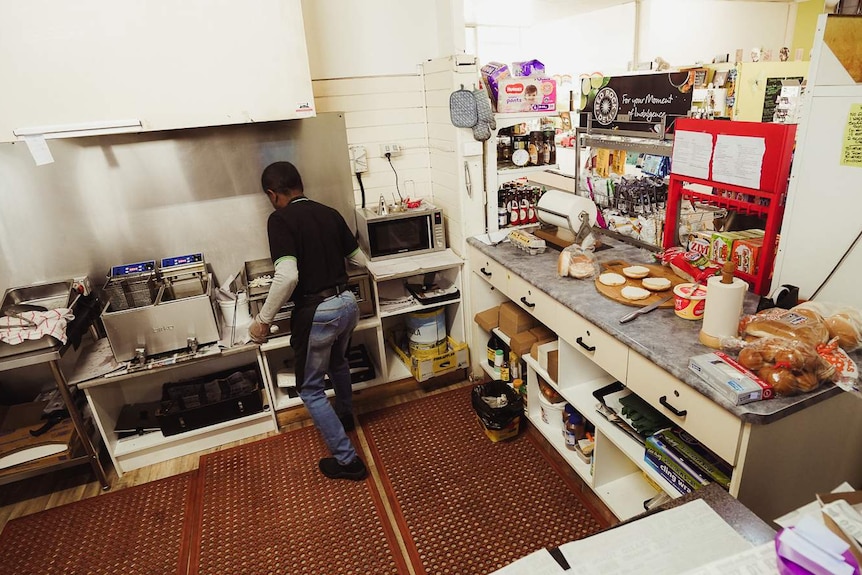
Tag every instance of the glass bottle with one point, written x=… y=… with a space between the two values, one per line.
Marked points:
x=493 y=346
x=552 y=146
x=533 y=148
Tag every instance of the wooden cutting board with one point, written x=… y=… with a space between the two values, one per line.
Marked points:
x=656 y=271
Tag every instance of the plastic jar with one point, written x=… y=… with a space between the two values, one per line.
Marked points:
x=689 y=300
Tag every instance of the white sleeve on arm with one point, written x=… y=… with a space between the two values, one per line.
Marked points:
x=358 y=258
x=283 y=284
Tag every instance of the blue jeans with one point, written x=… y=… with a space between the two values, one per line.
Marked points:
x=334 y=321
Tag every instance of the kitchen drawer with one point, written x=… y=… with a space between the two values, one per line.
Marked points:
x=536 y=302
x=488 y=269
x=710 y=423
x=606 y=351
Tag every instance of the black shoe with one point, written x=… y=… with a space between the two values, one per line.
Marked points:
x=347 y=422
x=355 y=470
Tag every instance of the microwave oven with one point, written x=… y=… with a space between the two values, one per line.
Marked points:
x=397 y=234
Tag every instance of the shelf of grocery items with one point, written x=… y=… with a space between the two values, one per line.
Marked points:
x=765 y=200
x=509 y=120
x=513 y=173
x=618 y=477
x=645 y=145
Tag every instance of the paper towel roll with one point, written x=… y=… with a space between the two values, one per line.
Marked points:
x=723 y=308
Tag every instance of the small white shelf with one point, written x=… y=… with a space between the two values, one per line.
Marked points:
x=417 y=307
x=554 y=435
x=625 y=496
x=155 y=439
x=507 y=174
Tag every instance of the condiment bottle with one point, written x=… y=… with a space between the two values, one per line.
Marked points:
x=498 y=363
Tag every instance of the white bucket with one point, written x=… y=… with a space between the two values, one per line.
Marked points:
x=235 y=312
x=552 y=413
x=427 y=333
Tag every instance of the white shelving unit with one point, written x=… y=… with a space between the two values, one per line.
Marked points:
x=108 y=395
x=391 y=277
x=276 y=351
x=496 y=176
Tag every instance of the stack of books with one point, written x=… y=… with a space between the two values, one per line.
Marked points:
x=686 y=464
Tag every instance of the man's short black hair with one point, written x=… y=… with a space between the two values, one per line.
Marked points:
x=281 y=178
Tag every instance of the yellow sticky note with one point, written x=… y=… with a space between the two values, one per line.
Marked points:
x=851 y=149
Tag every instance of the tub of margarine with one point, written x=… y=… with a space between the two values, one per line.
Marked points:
x=689 y=300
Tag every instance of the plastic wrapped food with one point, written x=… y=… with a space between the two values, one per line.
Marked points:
x=842 y=321
x=577 y=262
x=793 y=324
x=790 y=366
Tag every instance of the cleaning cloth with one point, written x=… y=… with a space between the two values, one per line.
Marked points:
x=35 y=325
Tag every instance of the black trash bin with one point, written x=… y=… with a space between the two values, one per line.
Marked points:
x=499 y=408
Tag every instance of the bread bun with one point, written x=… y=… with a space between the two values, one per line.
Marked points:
x=581 y=269
x=656 y=284
x=636 y=272
x=634 y=293
x=751 y=358
x=842 y=327
x=781 y=379
x=563 y=261
x=612 y=279
x=810 y=332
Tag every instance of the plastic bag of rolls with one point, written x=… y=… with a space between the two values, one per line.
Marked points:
x=577 y=262
x=791 y=366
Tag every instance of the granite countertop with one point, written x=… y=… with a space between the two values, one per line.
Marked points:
x=660 y=336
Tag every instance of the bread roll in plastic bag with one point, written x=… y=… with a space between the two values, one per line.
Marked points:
x=842 y=321
x=577 y=262
x=790 y=366
x=793 y=324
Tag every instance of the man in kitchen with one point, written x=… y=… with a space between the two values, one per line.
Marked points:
x=309 y=243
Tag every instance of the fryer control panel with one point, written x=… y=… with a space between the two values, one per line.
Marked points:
x=129 y=269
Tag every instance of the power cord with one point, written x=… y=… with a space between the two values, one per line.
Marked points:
x=361 y=188
x=397 y=189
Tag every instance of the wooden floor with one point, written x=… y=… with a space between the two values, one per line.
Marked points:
x=77 y=483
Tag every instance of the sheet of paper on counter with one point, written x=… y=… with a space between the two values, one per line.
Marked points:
x=537 y=563
x=759 y=560
x=670 y=542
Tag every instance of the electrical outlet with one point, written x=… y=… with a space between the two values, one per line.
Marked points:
x=391 y=149
x=358 y=159
x=81 y=284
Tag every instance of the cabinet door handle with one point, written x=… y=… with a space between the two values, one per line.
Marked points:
x=663 y=400
x=589 y=348
x=526 y=303
x=485 y=272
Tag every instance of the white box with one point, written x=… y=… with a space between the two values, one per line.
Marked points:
x=731 y=380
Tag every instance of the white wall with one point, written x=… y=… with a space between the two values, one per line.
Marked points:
x=680 y=31
x=348 y=39
x=696 y=30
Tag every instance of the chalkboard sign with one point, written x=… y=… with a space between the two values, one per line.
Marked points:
x=773 y=89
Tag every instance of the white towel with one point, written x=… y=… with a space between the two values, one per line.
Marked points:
x=35 y=325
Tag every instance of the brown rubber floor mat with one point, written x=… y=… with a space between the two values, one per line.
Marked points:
x=266 y=508
x=466 y=505
x=140 y=530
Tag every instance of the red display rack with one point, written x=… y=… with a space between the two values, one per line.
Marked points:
x=766 y=201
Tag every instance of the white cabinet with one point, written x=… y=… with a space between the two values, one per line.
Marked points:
x=496 y=173
x=108 y=395
x=166 y=64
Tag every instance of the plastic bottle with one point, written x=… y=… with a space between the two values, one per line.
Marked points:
x=494 y=344
x=514 y=365
x=498 y=363
x=521 y=389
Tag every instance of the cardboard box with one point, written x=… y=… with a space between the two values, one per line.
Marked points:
x=854 y=499
x=488 y=319
x=526 y=94
x=456 y=357
x=553 y=367
x=520 y=343
x=514 y=320
x=746 y=252
x=492 y=74
x=732 y=381
x=543 y=333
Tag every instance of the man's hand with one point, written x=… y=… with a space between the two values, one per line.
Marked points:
x=258 y=330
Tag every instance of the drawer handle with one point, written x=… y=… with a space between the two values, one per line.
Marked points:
x=526 y=303
x=589 y=348
x=663 y=400
x=485 y=272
